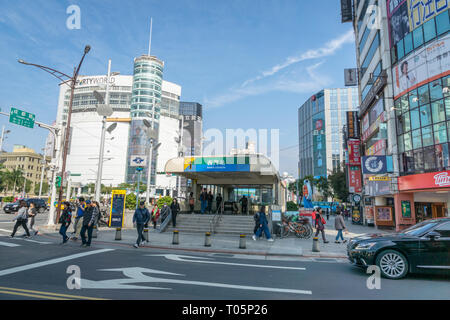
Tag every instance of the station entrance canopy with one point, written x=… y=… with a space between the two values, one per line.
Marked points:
x=225 y=170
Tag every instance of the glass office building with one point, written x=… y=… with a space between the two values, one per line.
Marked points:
x=145 y=104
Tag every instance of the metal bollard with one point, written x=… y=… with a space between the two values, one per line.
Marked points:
x=242 y=241
x=146 y=234
x=208 y=239
x=94 y=232
x=176 y=238
x=118 y=234
x=315 y=247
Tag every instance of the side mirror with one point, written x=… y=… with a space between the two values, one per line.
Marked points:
x=433 y=235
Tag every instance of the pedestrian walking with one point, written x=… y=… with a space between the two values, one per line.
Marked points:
x=65 y=220
x=328 y=214
x=175 y=207
x=263 y=225
x=21 y=219
x=339 y=225
x=31 y=215
x=191 y=202
x=320 y=225
x=155 y=213
x=79 y=219
x=203 y=200
x=89 y=218
x=219 y=200
x=210 y=201
x=256 y=219
x=244 y=203
x=140 y=219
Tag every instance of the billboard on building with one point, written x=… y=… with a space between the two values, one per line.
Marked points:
x=217 y=164
x=420 y=11
x=346 y=11
x=398 y=20
x=353 y=130
x=354 y=157
x=422 y=66
x=319 y=146
x=354 y=179
x=351 y=77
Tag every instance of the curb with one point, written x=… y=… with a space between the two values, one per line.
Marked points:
x=253 y=253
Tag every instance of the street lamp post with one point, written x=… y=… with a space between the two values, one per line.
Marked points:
x=72 y=80
x=3 y=137
x=43 y=163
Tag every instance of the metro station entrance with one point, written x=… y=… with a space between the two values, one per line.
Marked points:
x=245 y=183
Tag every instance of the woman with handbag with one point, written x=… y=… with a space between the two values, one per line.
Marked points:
x=21 y=219
x=320 y=225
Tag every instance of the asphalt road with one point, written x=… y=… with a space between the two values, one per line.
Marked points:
x=37 y=268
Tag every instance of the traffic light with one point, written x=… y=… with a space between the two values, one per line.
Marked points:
x=58 y=181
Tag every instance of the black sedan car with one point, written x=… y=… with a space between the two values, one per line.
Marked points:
x=40 y=204
x=424 y=247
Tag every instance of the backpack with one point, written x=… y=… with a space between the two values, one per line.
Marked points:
x=256 y=217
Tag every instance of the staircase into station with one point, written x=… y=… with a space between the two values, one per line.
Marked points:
x=201 y=223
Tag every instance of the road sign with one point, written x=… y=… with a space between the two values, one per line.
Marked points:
x=75 y=174
x=21 y=118
x=138 y=161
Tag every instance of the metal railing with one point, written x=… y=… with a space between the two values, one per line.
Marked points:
x=164 y=222
x=216 y=219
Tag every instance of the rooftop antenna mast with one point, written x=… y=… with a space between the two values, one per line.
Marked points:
x=150 y=42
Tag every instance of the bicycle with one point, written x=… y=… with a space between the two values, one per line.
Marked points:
x=301 y=228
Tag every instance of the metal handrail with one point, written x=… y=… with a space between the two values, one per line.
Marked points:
x=163 y=225
x=216 y=218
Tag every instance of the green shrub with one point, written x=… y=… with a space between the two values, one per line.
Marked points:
x=130 y=202
x=8 y=199
x=164 y=200
x=292 y=206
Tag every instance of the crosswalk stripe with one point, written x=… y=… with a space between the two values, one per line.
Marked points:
x=7 y=244
x=35 y=241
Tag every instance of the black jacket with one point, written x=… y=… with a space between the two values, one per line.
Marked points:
x=175 y=207
x=90 y=216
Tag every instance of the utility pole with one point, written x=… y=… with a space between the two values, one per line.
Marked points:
x=3 y=137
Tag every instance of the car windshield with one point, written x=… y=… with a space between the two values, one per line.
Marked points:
x=419 y=228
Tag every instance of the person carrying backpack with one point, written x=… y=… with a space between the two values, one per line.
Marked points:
x=320 y=225
x=256 y=218
x=65 y=220
x=262 y=223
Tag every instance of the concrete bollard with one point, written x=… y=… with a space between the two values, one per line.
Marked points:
x=94 y=232
x=242 y=241
x=146 y=234
x=175 y=239
x=208 y=239
x=315 y=247
x=118 y=234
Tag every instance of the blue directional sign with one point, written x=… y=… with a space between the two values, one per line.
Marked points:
x=138 y=161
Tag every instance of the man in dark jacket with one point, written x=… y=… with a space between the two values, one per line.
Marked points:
x=219 y=203
x=90 y=217
x=141 y=217
x=204 y=200
x=244 y=202
x=65 y=220
x=210 y=201
x=175 y=207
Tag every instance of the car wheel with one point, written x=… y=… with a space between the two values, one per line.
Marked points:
x=392 y=264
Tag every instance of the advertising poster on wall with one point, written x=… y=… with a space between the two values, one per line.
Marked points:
x=398 y=21
x=319 y=146
x=406 y=209
x=422 y=66
x=354 y=157
x=383 y=216
x=420 y=11
x=354 y=179
x=356 y=215
x=117 y=208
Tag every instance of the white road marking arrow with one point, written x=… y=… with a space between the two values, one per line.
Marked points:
x=138 y=276
x=176 y=257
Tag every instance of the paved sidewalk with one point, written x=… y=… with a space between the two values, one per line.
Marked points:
x=290 y=246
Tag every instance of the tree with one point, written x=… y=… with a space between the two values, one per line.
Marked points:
x=339 y=184
x=324 y=186
x=45 y=187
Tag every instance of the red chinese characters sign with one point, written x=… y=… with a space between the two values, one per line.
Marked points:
x=354 y=179
x=425 y=181
x=354 y=157
x=378 y=149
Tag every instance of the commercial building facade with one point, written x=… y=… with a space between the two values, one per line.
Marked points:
x=84 y=146
x=403 y=68
x=320 y=122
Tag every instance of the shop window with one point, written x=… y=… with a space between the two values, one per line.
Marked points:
x=408 y=143
x=418 y=160
x=440 y=133
x=406 y=122
x=429 y=158
x=413 y=99
x=408 y=43
x=429 y=30
x=424 y=95
x=416 y=139
x=425 y=115
x=438 y=111
x=404 y=103
x=418 y=37
x=436 y=90
x=427 y=136
x=443 y=22
x=415 y=119
x=442 y=156
x=446 y=84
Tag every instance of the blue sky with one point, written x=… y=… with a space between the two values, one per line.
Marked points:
x=251 y=63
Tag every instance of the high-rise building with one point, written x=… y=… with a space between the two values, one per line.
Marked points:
x=404 y=86
x=193 y=131
x=320 y=122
